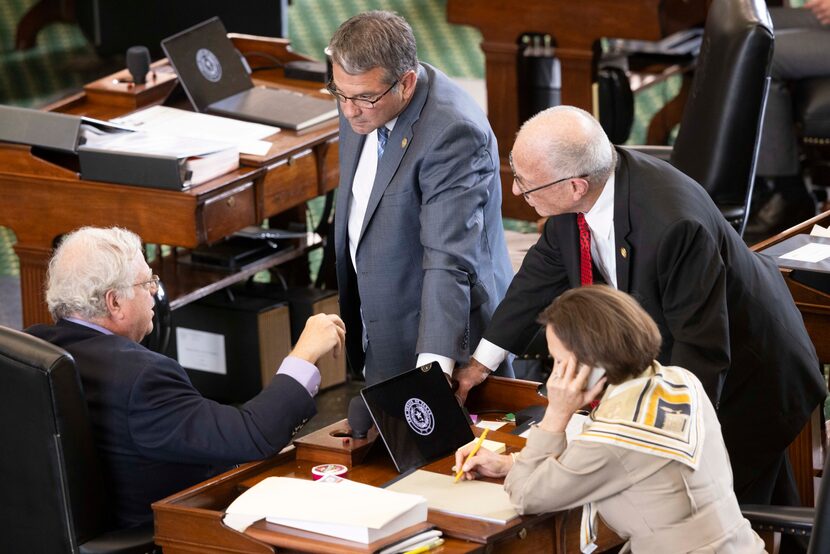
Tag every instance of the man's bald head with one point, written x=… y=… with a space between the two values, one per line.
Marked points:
x=565 y=141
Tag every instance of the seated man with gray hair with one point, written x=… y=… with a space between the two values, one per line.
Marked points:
x=156 y=433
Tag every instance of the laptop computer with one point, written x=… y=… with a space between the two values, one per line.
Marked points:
x=213 y=75
x=417 y=416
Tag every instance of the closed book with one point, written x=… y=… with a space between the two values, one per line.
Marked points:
x=154 y=160
x=331 y=506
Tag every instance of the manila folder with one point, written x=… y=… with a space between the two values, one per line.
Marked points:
x=332 y=506
x=473 y=499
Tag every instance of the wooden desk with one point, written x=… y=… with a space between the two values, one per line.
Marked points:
x=576 y=27
x=42 y=196
x=191 y=521
x=806 y=450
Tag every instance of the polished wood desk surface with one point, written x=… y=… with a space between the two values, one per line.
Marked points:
x=42 y=196
x=806 y=451
x=190 y=521
x=575 y=28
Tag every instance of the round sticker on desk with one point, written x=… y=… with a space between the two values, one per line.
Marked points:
x=419 y=416
x=208 y=65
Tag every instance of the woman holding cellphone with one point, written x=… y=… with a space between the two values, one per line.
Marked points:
x=650 y=459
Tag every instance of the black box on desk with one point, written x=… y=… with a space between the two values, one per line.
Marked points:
x=305 y=302
x=231 y=345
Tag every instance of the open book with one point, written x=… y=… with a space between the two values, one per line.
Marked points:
x=331 y=506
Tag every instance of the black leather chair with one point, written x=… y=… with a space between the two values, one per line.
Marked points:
x=53 y=496
x=717 y=144
x=812 y=522
x=812 y=111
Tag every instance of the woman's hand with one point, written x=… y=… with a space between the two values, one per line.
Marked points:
x=566 y=393
x=485 y=463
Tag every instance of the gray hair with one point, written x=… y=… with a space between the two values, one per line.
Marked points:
x=581 y=151
x=89 y=262
x=375 y=39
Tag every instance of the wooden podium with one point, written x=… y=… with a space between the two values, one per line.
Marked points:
x=806 y=451
x=191 y=521
x=42 y=196
x=575 y=27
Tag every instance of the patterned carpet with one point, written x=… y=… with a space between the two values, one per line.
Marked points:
x=63 y=61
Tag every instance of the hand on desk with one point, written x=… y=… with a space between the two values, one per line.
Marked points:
x=322 y=333
x=469 y=376
x=484 y=463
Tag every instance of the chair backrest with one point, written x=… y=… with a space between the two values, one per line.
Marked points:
x=717 y=143
x=52 y=496
x=820 y=537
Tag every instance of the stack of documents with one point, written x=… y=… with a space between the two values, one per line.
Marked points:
x=171 y=121
x=155 y=160
x=331 y=506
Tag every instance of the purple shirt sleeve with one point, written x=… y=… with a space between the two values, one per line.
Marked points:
x=303 y=372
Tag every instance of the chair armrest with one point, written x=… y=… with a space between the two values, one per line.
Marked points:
x=790 y=520
x=136 y=540
x=659 y=152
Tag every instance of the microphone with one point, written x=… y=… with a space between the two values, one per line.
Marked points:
x=360 y=420
x=138 y=63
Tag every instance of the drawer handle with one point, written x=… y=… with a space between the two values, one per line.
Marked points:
x=230 y=201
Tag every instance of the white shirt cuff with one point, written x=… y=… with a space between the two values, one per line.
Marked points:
x=489 y=354
x=447 y=364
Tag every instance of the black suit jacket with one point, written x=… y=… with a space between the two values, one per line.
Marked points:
x=156 y=433
x=724 y=312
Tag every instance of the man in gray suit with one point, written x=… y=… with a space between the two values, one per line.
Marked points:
x=421 y=256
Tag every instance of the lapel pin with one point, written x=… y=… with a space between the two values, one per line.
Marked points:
x=403 y=142
x=623 y=252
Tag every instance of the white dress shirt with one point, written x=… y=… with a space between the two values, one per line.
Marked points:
x=364 y=179
x=600 y=220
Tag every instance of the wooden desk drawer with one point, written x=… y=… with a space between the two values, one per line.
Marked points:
x=331 y=166
x=289 y=183
x=226 y=213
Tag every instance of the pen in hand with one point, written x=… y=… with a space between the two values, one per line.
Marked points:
x=472 y=453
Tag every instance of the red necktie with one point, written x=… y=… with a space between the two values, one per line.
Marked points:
x=586 y=273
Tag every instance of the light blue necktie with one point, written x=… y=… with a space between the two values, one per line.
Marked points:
x=383 y=135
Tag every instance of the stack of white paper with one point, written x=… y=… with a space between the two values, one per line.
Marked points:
x=336 y=507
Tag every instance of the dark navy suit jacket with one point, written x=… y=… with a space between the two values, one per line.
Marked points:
x=156 y=433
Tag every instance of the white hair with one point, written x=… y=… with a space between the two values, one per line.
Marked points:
x=575 y=144
x=89 y=262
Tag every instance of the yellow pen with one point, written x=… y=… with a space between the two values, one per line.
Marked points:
x=426 y=547
x=470 y=455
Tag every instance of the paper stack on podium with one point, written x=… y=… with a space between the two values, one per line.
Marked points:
x=149 y=159
x=331 y=506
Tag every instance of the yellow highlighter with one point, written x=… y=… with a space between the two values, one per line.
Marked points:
x=472 y=453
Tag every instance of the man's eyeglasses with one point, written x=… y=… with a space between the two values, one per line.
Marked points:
x=151 y=285
x=527 y=193
x=362 y=103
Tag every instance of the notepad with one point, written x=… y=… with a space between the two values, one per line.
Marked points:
x=474 y=499
x=493 y=446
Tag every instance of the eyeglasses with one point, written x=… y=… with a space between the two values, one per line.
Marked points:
x=151 y=285
x=362 y=103
x=527 y=193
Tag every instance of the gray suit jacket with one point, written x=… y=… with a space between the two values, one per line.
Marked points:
x=432 y=263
